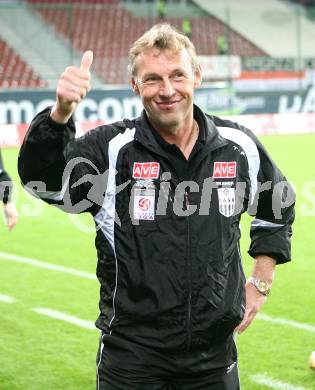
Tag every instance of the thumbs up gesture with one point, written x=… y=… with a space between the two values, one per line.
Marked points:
x=72 y=87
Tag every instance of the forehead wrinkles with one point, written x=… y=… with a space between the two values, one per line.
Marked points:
x=163 y=61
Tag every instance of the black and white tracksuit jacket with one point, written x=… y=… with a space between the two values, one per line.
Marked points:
x=169 y=263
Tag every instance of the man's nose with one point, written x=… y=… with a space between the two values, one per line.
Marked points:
x=167 y=88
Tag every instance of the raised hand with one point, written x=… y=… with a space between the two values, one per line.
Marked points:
x=73 y=85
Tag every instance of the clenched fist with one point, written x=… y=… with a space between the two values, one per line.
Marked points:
x=73 y=85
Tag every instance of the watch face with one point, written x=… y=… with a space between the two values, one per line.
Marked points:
x=263 y=286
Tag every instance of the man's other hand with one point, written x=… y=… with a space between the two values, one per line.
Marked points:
x=254 y=302
x=11 y=215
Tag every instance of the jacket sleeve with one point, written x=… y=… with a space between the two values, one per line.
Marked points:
x=6 y=185
x=60 y=169
x=273 y=209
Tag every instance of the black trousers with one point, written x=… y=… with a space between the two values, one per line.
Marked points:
x=123 y=365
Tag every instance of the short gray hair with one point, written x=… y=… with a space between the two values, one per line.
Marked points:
x=163 y=37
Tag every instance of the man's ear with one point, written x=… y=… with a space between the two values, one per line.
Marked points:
x=198 y=77
x=134 y=86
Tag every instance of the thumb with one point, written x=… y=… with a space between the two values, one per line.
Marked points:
x=87 y=60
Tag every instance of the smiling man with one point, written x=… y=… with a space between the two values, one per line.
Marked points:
x=166 y=191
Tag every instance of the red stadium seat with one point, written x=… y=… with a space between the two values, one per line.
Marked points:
x=15 y=72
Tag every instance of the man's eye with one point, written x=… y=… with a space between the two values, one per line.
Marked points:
x=178 y=76
x=151 y=80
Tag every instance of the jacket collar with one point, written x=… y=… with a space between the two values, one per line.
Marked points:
x=210 y=136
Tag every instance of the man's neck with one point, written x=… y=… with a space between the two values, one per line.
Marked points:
x=184 y=138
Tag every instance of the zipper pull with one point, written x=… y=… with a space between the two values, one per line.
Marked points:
x=186 y=201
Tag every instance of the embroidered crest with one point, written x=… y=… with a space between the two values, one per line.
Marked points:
x=144 y=204
x=226 y=201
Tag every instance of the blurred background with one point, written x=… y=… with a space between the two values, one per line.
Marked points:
x=257 y=57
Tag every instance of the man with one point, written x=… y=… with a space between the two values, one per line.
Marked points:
x=166 y=191
x=10 y=212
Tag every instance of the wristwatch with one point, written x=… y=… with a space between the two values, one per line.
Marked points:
x=261 y=285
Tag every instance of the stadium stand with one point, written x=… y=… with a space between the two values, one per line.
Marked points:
x=206 y=30
x=109 y=29
x=15 y=72
x=289 y=31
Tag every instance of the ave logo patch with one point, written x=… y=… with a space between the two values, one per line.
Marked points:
x=224 y=169
x=146 y=170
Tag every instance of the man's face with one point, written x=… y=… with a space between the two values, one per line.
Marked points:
x=165 y=82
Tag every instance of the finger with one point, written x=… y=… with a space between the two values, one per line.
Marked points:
x=72 y=83
x=71 y=92
x=87 y=60
x=76 y=76
x=248 y=319
x=75 y=88
x=12 y=222
x=242 y=326
x=67 y=88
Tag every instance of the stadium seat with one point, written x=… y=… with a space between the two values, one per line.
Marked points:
x=15 y=72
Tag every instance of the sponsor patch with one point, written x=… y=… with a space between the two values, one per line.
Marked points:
x=146 y=170
x=224 y=169
x=144 y=204
x=226 y=201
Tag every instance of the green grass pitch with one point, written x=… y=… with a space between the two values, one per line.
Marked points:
x=41 y=353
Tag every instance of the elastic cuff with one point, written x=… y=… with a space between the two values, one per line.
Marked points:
x=58 y=126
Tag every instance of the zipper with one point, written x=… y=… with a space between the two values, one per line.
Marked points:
x=189 y=276
x=188 y=258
